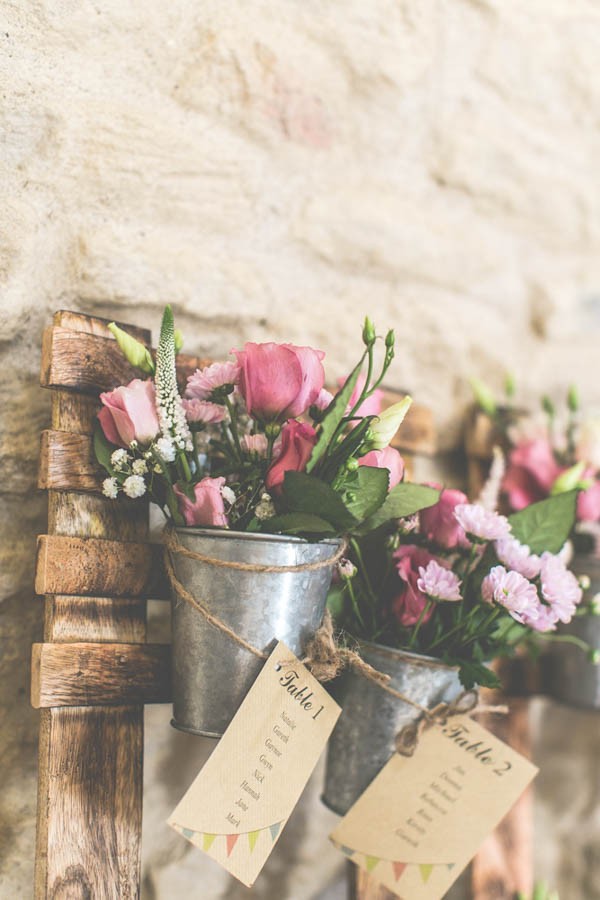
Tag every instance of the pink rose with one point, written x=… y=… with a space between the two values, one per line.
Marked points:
x=588 y=503
x=387 y=458
x=438 y=523
x=410 y=602
x=372 y=406
x=297 y=442
x=208 y=507
x=531 y=472
x=130 y=413
x=279 y=381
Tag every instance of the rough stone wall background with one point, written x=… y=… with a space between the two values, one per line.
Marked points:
x=276 y=170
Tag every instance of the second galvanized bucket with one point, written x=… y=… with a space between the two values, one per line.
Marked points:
x=211 y=672
x=363 y=739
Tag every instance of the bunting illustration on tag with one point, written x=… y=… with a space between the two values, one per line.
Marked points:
x=221 y=846
x=387 y=867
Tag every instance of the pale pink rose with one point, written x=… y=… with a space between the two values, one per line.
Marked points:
x=388 y=459
x=588 y=502
x=256 y=444
x=372 y=406
x=408 y=605
x=297 y=442
x=204 y=411
x=323 y=400
x=532 y=470
x=279 y=381
x=438 y=582
x=203 y=382
x=512 y=591
x=560 y=588
x=208 y=507
x=438 y=523
x=129 y=413
x=518 y=556
x=480 y=523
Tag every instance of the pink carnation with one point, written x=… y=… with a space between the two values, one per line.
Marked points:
x=256 y=444
x=545 y=619
x=203 y=382
x=512 y=591
x=518 y=556
x=438 y=582
x=204 y=411
x=411 y=601
x=481 y=523
x=560 y=587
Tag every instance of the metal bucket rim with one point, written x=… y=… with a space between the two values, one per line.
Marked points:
x=254 y=536
x=418 y=658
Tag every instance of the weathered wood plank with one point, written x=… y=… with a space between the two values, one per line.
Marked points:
x=75 y=321
x=68 y=565
x=114 y=618
x=99 y=674
x=90 y=759
x=67 y=463
x=91 y=363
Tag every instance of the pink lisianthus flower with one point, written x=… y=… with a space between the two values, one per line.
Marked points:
x=129 y=413
x=512 y=591
x=409 y=604
x=439 y=524
x=203 y=411
x=387 y=458
x=532 y=470
x=297 y=442
x=372 y=406
x=438 y=582
x=255 y=444
x=518 y=556
x=323 y=400
x=560 y=587
x=588 y=502
x=480 y=523
x=203 y=382
x=208 y=507
x=279 y=381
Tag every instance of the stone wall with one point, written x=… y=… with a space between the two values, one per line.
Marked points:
x=276 y=170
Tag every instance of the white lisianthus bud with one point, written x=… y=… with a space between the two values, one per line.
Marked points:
x=346 y=569
x=134 y=486
x=383 y=429
x=139 y=467
x=228 y=495
x=166 y=449
x=119 y=459
x=266 y=508
x=133 y=351
x=110 y=488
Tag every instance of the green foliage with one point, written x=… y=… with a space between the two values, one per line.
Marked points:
x=546 y=525
x=403 y=500
x=103 y=450
x=297 y=523
x=333 y=419
x=366 y=491
x=305 y=494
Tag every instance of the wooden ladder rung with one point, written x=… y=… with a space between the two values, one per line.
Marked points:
x=99 y=674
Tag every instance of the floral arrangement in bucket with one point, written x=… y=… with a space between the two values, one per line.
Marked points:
x=256 y=444
x=461 y=583
x=263 y=476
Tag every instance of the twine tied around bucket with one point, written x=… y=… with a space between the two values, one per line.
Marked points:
x=323 y=656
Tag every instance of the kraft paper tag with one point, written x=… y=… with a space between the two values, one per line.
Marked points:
x=423 y=818
x=238 y=805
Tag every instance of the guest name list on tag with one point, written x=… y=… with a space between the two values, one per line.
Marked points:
x=423 y=818
x=238 y=805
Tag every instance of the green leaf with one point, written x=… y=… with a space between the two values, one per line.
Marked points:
x=305 y=494
x=403 y=500
x=546 y=525
x=474 y=673
x=368 y=490
x=297 y=523
x=133 y=351
x=103 y=450
x=330 y=423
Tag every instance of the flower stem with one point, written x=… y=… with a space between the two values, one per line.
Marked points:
x=420 y=620
x=233 y=421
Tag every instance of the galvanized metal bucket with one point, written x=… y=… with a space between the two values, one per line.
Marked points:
x=570 y=677
x=211 y=672
x=363 y=739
